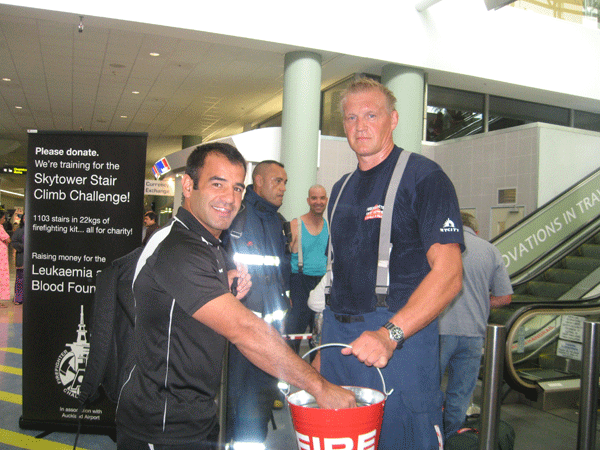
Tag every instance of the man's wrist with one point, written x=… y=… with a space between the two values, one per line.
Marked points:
x=396 y=334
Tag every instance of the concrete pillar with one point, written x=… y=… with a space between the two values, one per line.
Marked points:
x=408 y=85
x=300 y=128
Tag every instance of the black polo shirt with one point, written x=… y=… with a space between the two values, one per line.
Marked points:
x=169 y=396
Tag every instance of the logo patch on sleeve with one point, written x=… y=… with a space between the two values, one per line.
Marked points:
x=449 y=227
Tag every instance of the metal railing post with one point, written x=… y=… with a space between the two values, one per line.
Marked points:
x=588 y=394
x=495 y=345
x=222 y=411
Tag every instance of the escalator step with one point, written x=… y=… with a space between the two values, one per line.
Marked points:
x=520 y=298
x=581 y=263
x=500 y=315
x=567 y=276
x=591 y=251
x=546 y=289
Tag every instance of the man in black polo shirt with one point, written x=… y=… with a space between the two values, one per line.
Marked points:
x=185 y=312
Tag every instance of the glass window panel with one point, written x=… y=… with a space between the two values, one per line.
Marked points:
x=273 y=121
x=452 y=113
x=526 y=112
x=587 y=121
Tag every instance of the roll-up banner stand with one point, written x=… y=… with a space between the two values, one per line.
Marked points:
x=83 y=208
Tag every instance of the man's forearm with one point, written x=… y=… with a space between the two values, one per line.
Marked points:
x=435 y=292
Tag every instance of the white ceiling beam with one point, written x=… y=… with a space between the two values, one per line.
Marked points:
x=422 y=5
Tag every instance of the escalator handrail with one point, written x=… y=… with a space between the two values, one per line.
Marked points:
x=537 y=211
x=561 y=250
x=530 y=390
x=530 y=218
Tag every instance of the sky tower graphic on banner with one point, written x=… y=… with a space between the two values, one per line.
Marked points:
x=70 y=365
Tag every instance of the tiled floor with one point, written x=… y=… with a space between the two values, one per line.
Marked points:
x=535 y=429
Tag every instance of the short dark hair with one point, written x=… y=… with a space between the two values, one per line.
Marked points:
x=261 y=167
x=151 y=215
x=195 y=161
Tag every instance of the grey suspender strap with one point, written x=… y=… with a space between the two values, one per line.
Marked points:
x=329 y=273
x=385 y=232
x=300 y=259
x=382 y=284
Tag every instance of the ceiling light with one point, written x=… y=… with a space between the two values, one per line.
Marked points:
x=12 y=193
x=18 y=107
x=135 y=92
x=123 y=117
x=154 y=54
x=5 y=79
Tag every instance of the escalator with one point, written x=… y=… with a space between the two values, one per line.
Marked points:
x=553 y=258
x=467 y=124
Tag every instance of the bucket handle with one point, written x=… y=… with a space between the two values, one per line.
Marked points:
x=336 y=344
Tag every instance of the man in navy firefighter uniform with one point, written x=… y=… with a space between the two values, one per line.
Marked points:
x=257 y=240
x=425 y=273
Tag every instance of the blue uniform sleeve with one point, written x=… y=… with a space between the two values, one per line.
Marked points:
x=438 y=211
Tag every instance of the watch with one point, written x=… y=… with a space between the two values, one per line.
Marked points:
x=396 y=334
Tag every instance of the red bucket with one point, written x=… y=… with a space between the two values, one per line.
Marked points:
x=338 y=429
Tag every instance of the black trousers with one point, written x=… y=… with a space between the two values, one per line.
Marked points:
x=125 y=442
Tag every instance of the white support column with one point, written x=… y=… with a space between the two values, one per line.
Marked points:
x=300 y=128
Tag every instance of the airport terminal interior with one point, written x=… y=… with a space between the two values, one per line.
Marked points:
x=523 y=154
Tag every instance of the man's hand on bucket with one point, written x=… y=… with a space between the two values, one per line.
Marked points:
x=335 y=397
x=373 y=348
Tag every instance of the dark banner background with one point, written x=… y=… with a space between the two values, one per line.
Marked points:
x=83 y=208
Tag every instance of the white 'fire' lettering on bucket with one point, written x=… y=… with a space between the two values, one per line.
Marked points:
x=365 y=442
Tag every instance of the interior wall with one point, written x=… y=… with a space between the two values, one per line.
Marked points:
x=572 y=153
x=336 y=159
x=480 y=165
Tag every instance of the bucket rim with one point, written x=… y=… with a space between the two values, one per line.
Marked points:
x=304 y=392
x=385 y=392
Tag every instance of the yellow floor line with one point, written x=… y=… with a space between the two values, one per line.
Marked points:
x=18 y=351
x=29 y=442
x=13 y=370
x=12 y=398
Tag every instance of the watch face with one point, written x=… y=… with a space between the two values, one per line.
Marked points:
x=396 y=334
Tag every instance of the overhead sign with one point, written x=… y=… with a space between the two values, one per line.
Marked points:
x=161 y=167
x=16 y=170
x=159 y=187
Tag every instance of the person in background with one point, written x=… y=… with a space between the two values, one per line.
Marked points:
x=310 y=229
x=4 y=271
x=463 y=324
x=8 y=226
x=151 y=224
x=257 y=239
x=18 y=245
x=398 y=334
x=185 y=312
